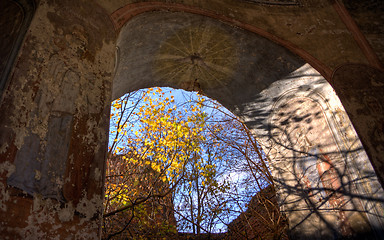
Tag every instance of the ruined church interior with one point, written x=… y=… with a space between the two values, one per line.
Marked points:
x=305 y=76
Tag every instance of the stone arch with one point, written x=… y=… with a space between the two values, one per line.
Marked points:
x=124 y=14
x=180 y=52
x=127 y=12
x=137 y=58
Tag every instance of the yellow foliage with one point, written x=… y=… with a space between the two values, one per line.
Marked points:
x=163 y=139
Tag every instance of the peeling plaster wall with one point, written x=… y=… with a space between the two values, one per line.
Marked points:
x=54 y=134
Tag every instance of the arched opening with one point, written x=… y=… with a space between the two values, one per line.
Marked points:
x=316 y=156
x=180 y=165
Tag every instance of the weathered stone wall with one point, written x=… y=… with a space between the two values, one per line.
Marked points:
x=320 y=168
x=369 y=17
x=262 y=219
x=54 y=124
x=360 y=89
x=151 y=219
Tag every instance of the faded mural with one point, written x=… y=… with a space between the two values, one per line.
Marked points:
x=321 y=170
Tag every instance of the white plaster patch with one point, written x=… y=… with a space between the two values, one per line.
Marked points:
x=66 y=214
x=89 y=207
x=37 y=199
x=5 y=197
x=98 y=174
x=37 y=175
x=3 y=148
x=7 y=167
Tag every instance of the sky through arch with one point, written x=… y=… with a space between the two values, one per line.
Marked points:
x=225 y=166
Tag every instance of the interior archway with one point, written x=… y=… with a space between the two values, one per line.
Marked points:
x=142 y=135
x=262 y=83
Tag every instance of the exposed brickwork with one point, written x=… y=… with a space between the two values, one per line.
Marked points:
x=262 y=219
x=151 y=219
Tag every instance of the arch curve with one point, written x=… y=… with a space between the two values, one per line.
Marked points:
x=124 y=14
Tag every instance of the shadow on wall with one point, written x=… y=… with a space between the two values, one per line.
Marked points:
x=325 y=182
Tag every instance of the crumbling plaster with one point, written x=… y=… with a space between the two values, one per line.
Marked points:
x=63 y=75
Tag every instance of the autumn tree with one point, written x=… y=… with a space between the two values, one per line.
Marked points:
x=254 y=192
x=154 y=135
x=200 y=196
x=194 y=159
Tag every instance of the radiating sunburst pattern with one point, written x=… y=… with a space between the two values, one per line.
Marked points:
x=197 y=58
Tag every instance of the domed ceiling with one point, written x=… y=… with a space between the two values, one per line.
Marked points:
x=194 y=52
